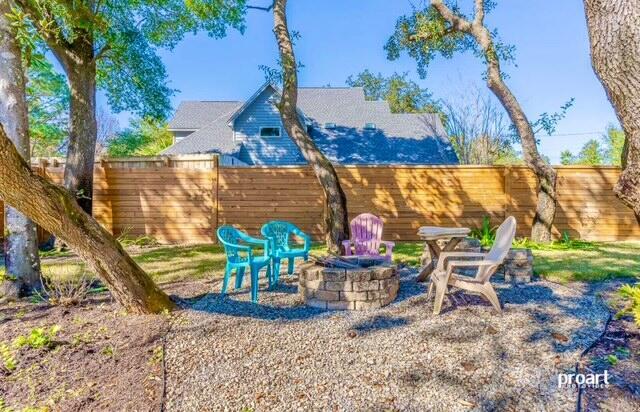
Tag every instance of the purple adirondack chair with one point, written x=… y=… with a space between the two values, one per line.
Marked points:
x=366 y=237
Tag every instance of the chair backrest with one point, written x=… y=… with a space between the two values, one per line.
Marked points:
x=230 y=237
x=504 y=238
x=366 y=232
x=278 y=233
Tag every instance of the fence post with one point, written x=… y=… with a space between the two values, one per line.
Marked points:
x=507 y=191
x=215 y=175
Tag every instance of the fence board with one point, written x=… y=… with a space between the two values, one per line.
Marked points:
x=184 y=200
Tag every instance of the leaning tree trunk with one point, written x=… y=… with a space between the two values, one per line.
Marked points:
x=336 y=219
x=545 y=174
x=614 y=34
x=22 y=263
x=56 y=210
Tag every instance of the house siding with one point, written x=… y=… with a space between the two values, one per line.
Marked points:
x=269 y=150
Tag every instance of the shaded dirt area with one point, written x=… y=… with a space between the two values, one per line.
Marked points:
x=617 y=352
x=101 y=359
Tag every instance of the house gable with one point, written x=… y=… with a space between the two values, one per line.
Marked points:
x=261 y=112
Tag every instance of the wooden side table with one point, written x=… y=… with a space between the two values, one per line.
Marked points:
x=431 y=235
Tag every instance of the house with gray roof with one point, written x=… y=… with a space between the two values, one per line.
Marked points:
x=345 y=126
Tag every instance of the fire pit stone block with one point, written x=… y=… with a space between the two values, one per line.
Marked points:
x=348 y=289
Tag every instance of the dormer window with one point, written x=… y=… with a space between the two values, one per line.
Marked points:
x=370 y=126
x=329 y=126
x=269 y=131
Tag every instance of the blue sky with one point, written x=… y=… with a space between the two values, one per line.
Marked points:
x=343 y=37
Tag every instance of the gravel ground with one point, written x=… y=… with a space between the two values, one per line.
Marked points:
x=224 y=353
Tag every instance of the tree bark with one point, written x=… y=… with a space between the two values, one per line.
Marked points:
x=614 y=35
x=77 y=57
x=54 y=209
x=336 y=218
x=83 y=130
x=22 y=262
x=545 y=174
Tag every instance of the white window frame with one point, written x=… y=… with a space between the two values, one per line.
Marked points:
x=270 y=127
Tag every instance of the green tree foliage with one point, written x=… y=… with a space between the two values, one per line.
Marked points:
x=126 y=35
x=614 y=143
x=48 y=101
x=566 y=157
x=425 y=33
x=403 y=94
x=145 y=137
x=591 y=154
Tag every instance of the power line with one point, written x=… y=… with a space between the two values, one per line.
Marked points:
x=570 y=134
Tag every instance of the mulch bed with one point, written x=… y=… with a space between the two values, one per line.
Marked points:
x=617 y=352
x=101 y=359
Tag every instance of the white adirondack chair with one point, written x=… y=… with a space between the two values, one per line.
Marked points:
x=445 y=276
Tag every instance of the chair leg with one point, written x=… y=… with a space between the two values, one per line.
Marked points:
x=225 y=280
x=239 y=277
x=254 y=284
x=490 y=294
x=276 y=270
x=430 y=291
x=270 y=276
x=441 y=289
x=290 y=266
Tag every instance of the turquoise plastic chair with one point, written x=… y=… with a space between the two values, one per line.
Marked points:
x=240 y=255
x=279 y=234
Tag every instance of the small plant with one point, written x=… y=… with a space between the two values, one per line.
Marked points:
x=38 y=338
x=8 y=359
x=612 y=359
x=158 y=355
x=631 y=294
x=66 y=288
x=126 y=239
x=108 y=351
x=485 y=233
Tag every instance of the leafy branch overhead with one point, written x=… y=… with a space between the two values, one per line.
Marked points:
x=126 y=36
x=424 y=34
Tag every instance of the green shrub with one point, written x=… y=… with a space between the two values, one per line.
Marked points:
x=631 y=294
x=485 y=233
x=38 y=338
x=8 y=359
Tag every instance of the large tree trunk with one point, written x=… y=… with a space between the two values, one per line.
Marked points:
x=545 y=174
x=336 y=218
x=83 y=131
x=614 y=34
x=22 y=262
x=77 y=57
x=80 y=67
x=54 y=209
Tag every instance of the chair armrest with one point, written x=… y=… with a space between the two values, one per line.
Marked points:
x=305 y=237
x=244 y=248
x=255 y=241
x=388 y=245
x=346 y=244
x=472 y=263
x=446 y=255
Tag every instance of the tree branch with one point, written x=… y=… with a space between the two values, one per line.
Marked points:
x=479 y=17
x=456 y=21
x=262 y=8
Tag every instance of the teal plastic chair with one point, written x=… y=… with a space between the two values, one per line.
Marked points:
x=240 y=255
x=279 y=234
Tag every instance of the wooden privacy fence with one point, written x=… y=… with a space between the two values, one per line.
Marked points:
x=184 y=200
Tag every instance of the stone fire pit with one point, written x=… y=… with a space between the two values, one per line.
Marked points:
x=371 y=284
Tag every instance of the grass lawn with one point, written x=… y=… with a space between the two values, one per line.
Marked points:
x=578 y=261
